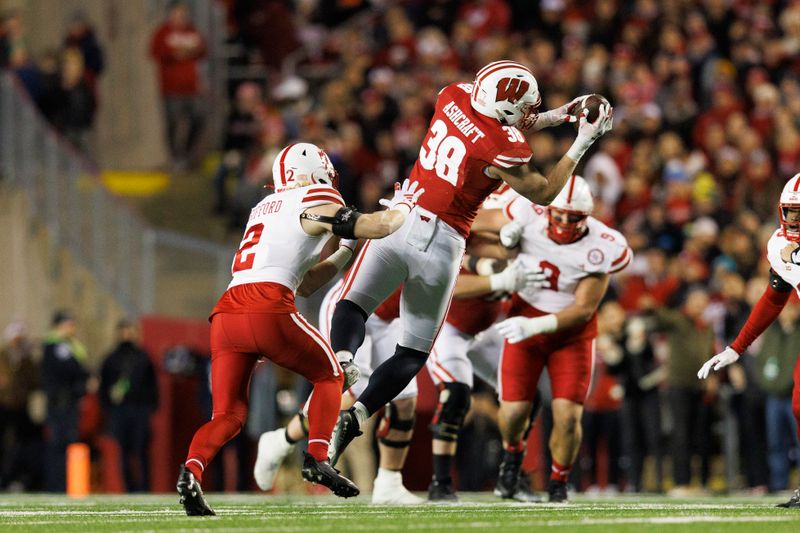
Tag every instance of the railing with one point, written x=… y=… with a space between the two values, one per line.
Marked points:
x=146 y=269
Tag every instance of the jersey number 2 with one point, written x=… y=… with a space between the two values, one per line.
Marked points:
x=444 y=153
x=244 y=259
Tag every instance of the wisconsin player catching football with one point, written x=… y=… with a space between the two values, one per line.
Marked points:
x=256 y=317
x=783 y=253
x=474 y=143
x=554 y=326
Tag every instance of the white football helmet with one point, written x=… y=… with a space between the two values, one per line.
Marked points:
x=572 y=206
x=790 y=199
x=507 y=91
x=300 y=165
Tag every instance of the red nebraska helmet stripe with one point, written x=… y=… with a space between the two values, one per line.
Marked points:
x=282 y=168
x=796 y=183
x=571 y=188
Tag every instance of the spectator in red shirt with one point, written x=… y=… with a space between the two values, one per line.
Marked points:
x=178 y=47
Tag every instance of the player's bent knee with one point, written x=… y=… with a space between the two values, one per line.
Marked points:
x=406 y=407
x=395 y=419
x=454 y=402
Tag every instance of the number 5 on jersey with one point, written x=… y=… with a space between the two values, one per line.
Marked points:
x=442 y=153
x=244 y=259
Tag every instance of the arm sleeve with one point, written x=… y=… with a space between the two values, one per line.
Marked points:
x=765 y=311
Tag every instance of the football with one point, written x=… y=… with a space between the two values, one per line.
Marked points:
x=591 y=103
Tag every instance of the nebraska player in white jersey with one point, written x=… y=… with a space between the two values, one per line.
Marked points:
x=554 y=326
x=472 y=146
x=783 y=253
x=256 y=316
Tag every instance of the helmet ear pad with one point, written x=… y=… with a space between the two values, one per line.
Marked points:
x=506 y=91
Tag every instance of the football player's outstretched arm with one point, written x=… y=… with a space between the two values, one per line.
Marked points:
x=513 y=278
x=350 y=224
x=540 y=189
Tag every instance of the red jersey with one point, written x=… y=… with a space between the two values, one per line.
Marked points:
x=459 y=145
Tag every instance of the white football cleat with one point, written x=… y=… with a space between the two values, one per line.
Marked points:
x=272 y=450
x=388 y=489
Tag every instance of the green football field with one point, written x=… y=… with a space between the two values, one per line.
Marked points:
x=478 y=512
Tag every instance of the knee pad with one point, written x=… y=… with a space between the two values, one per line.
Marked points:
x=390 y=421
x=454 y=401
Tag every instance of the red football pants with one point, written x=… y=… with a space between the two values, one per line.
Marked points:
x=238 y=341
x=569 y=365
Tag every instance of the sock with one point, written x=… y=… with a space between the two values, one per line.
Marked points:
x=208 y=440
x=385 y=473
x=344 y=356
x=348 y=327
x=194 y=466
x=361 y=412
x=323 y=409
x=560 y=472
x=442 y=467
x=391 y=377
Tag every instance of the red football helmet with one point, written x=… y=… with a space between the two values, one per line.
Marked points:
x=790 y=199
x=507 y=91
x=567 y=213
x=303 y=164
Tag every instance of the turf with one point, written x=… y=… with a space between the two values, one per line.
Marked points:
x=477 y=512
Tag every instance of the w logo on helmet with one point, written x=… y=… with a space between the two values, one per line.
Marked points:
x=511 y=89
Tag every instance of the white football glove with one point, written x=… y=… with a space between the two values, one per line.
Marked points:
x=510 y=234
x=515 y=278
x=722 y=359
x=519 y=328
x=555 y=117
x=405 y=196
x=589 y=132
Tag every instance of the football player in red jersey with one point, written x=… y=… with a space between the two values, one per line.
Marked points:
x=554 y=326
x=783 y=253
x=256 y=316
x=472 y=146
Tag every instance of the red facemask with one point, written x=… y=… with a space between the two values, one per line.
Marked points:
x=791 y=230
x=566 y=232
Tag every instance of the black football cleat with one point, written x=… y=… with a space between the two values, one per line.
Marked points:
x=557 y=491
x=323 y=473
x=192 y=495
x=793 y=503
x=512 y=483
x=441 y=492
x=344 y=432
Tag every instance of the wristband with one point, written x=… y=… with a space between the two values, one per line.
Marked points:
x=578 y=149
x=545 y=324
x=340 y=257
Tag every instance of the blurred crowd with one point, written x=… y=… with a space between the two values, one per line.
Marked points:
x=706 y=99
x=61 y=81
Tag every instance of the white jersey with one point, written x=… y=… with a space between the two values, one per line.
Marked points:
x=601 y=251
x=789 y=272
x=275 y=248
